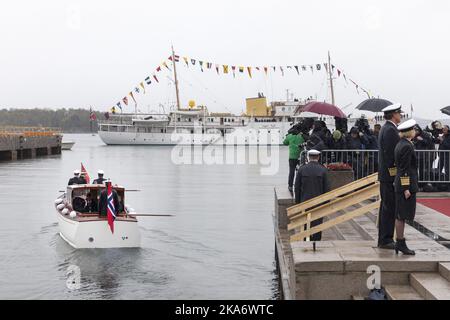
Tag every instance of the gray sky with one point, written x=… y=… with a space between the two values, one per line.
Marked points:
x=57 y=53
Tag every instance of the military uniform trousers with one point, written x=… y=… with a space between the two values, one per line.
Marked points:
x=387 y=213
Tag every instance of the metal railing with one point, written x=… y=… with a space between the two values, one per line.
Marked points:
x=433 y=165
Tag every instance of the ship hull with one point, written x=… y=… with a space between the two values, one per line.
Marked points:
x=97 y=234
x=268 y=135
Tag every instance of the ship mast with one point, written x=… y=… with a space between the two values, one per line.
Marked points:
x=176 y=79
x=330 y=73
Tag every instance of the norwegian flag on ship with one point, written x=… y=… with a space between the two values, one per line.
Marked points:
x=110 y=209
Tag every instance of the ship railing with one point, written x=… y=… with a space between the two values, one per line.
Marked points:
x=433 y=165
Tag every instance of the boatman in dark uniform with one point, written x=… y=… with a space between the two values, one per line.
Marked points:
x=387 y=141
x=76 y=179
x=311 y=182
x=100 y=179
x=406 y=184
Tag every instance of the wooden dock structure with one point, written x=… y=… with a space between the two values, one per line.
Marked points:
x=339 y=266
x=28 y=142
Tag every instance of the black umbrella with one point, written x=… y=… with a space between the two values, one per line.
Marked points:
x=374 y=105
x=446 y=110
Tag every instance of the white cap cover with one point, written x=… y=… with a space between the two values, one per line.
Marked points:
x=407 y=125
x=100 y=172
x=313 y=153
x=76 y=172
x=392 y=108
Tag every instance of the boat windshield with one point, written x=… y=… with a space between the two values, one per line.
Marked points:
x=86 y=199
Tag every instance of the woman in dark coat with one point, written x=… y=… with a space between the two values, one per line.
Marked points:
x=405 y=184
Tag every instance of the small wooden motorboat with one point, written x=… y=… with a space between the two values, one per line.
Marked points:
x=81 y=228
x=67 y=145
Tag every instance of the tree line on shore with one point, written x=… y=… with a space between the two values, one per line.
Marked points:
x=69 y=120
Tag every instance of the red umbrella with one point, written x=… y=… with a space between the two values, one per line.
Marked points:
x=324 y=108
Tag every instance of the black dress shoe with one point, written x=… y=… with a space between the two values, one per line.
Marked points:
x=387 y=246
x=403 y=248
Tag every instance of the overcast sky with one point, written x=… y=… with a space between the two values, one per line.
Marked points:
x=57 y=53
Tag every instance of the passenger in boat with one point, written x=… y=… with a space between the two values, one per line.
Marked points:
x=100 y=179
x=77 y=179
x=91 y=204
x=103 y=201
x=312 y=181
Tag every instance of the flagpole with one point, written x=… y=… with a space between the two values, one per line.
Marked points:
x=90 y=118
x=330 y=71
x=176 y=79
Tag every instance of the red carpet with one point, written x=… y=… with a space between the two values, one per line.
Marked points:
x=441 y=205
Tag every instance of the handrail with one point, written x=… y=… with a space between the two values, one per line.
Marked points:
x=338 y=200
x=302 y=207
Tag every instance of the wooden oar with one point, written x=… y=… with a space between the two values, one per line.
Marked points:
x=149 y=215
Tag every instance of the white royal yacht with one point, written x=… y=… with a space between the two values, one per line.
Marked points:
x=261 y=124
x=82 y=228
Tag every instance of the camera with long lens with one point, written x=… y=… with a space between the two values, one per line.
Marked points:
x=363 y=125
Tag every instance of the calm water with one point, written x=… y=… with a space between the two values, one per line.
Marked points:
x=220 y=245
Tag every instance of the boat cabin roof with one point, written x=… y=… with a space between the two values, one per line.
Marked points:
x=77 y=189
x=93 y=186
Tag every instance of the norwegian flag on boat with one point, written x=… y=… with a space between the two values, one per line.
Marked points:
x=110 y=209
x=85 y=173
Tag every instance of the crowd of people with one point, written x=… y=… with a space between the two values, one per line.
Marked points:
x=314 y=135
x=399 y=166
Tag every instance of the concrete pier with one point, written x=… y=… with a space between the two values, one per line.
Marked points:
x=25 y=143
x=340 y=266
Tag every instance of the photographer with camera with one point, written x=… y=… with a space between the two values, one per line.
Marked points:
x=295 y=140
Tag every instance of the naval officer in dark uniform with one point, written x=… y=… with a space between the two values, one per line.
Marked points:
x=311 y=182
x=406 y=183
x=387 y=141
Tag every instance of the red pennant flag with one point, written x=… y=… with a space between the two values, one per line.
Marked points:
x=339 y=72
x=234 y=70
x=158 y=69
x=156 y=79
x=85 y=174
x=265 y=70
x=125 y=100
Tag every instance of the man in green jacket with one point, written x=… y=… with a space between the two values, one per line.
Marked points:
x=295 y=142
